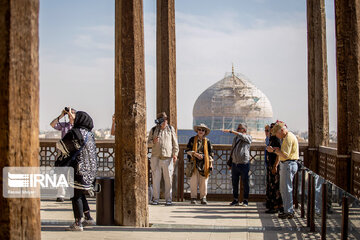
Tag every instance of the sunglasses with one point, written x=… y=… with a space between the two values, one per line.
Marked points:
x=267 y=131
x=201 y=130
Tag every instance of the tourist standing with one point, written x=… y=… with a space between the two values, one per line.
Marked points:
x=165 y=148
x=64 y=127
x=288 y=157
x=240 y=166
x=274 y=200
x=200 y=155
x=78 y=150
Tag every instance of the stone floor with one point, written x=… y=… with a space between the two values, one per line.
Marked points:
x=217 y=220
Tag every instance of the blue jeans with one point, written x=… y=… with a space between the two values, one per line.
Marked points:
x=242 y=170
x=287 y=173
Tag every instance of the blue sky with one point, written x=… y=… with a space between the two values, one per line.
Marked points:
x=264 y=39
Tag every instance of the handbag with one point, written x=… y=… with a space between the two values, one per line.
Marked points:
x=229 y=162
x=69 y=161
x=189 y=169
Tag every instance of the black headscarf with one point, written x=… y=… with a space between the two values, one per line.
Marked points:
x=82 y=120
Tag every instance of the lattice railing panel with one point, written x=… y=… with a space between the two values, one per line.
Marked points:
x=219 y=181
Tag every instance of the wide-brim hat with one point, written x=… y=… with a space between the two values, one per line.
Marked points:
x=202 y=125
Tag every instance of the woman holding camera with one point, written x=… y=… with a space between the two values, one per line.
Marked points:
x=200 y=155
x=64 y=127
x=78 y=150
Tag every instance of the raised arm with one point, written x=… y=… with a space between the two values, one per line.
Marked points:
x=57 y=119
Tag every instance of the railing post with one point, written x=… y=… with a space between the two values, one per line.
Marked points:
x=180 y=195
x=296 y=188
x=308 y=201
x=345 y=218
x=302 y=193
x=324 y=210
x=312 y=204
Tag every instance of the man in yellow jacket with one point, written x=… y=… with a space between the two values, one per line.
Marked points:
x=288 y=155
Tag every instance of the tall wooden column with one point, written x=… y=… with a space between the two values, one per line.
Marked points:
x=166 y=60
x=347 y=15
x=317 y=80
x=19 y=111
x=131 y=174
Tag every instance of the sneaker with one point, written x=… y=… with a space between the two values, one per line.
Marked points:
x=60 y=199
x=77 y=227
x=245 y=203
x=168 y=203
x=281 y=215
x=89 y=222
x=193 y=201
x=155 y=202
x=203 y=201
x=234 y=203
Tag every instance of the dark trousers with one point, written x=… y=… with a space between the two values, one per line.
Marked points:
x=237 y=171
x=79 y=203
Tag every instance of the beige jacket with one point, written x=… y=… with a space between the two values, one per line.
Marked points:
x=167 y=146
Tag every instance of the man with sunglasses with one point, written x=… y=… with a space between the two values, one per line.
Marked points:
x=240 y=162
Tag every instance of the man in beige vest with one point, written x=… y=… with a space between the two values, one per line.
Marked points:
x=165 y=148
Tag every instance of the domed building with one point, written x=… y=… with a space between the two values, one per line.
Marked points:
x=231 y=101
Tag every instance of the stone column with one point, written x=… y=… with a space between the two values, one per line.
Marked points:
x=19 y=111
x=166 y=60
x=131 y=174
x=317 y=80
x=347 y=14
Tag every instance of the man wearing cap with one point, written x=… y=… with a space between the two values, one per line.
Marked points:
x=288 y=156
x=200 y=154
x=165 y=148
x=240 y=167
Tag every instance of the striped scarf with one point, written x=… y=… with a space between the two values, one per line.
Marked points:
x=206 y=156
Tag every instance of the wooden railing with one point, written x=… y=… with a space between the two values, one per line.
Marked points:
x=219 y=186
x=343 y=171
x=355 y=174
x=327 y=163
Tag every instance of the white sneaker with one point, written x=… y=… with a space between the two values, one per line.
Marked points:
x=155 y=202
x=75 y=227
x=89 y=222
x=168 y=203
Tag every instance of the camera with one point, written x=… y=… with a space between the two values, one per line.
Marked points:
x=159 y=121
x=67 y=109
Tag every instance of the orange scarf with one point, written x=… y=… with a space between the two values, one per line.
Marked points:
x=206 y=156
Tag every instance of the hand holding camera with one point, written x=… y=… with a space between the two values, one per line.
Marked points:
x=159 y=121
